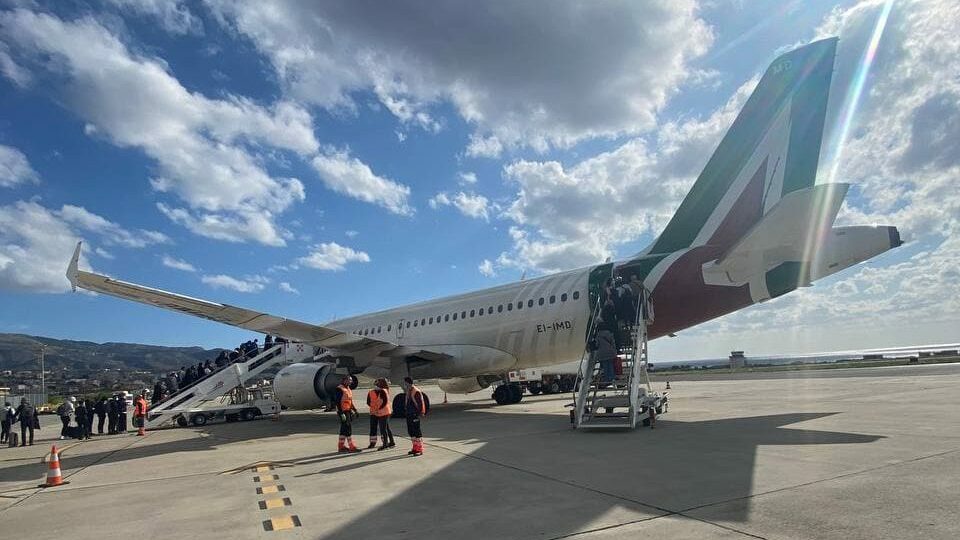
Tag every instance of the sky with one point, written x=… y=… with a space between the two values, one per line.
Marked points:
x=319 y=160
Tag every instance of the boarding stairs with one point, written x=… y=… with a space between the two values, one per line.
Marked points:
x=623 y=402
x=223 y=381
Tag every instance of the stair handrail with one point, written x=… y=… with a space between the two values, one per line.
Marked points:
x=584 y=373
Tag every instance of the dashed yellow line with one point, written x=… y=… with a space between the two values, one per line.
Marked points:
x=281 y=523
x=267 y=478
x=270 y=504
x=270 y=489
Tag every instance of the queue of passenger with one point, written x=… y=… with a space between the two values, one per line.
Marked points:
x=175 y=381
x=614 y=325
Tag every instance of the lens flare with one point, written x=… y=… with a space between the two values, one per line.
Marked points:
x=855 y=91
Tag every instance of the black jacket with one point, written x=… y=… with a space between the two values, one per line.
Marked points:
x=25 y=414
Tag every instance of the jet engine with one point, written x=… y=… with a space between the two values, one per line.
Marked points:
x=466 y=385
x=306 y=386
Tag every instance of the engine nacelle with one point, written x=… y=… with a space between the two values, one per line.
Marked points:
x=466 y=385
x=306 y=386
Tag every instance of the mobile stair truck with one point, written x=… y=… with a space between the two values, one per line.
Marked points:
x=628 y=400
x=198 y=402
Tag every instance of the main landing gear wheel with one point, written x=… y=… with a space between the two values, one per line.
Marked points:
x=508 y=394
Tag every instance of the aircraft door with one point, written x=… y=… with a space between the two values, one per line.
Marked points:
x=400 y=324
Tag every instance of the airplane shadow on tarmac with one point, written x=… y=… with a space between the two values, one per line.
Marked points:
x=530 y=475
x=524 y=473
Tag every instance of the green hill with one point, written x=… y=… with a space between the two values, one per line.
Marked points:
x=19 y=351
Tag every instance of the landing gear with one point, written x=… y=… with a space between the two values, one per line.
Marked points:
x=508 y=394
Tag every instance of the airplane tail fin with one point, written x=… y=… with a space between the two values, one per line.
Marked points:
x=772 y=149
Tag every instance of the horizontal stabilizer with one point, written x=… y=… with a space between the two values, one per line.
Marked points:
x=791 y=231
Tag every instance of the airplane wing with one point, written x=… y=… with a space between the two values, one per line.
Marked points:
x=313 y=334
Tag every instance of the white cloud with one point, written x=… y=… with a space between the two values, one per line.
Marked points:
x=178 y=264
x=173 y=15
x=332 y=256
x=486 y=268
x=351 y=234
x=467 y=178
x=286 y=287
x=36 y=243
x=103 y=253
x=15 y=168
x=516 y=87
x=350 y=176
x=112 y=233
x=469 y=204
x=203 y=146
x=249 y=284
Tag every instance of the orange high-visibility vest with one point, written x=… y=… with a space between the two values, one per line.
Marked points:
x=346 y=399
x=412 y=396
x=379 y=407
x=140 y=407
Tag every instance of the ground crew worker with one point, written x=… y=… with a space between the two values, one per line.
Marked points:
x=80 y=415
x=380 y=410
x=343 y=398
x=140 y=413
x=415 y=407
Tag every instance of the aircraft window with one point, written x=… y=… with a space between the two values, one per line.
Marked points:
x=563 y=297
x=379 y=329
x=540 y=302
x=520 y=304
x=454 y=316
x=463 y=314
x=408 y=324
x=430 y=321
x=510 y=306
x=389 y=326
x=480 y=312
x=438 y=319
x=500 y=308
x=490 y=310
x=423 y=322
x=576 y=295
x=473 y=312
x=367 y=331
x=414 y=323
x=446 y=317
x=530 y=303
x=553 y=299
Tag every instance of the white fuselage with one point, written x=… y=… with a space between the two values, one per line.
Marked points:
x=537 y=322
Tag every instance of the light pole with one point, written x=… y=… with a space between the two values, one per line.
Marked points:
x=43 y=385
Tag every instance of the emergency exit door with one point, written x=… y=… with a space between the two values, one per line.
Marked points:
x=400 y=324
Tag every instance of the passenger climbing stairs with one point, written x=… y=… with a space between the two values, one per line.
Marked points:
x=224 y=381
x=624 y=401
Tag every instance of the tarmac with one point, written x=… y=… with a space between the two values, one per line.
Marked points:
x=856 y=454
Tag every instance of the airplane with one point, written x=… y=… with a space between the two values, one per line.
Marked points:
x=754 y=226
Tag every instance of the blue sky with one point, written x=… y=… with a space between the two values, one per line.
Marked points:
x=322 y=161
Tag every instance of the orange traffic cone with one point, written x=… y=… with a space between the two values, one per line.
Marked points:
x=54 y=477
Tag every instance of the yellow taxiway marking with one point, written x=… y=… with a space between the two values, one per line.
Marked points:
x=263 y=468
x=270 y=489
x=270 y=504
x=266 y=478
x=281 y=523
